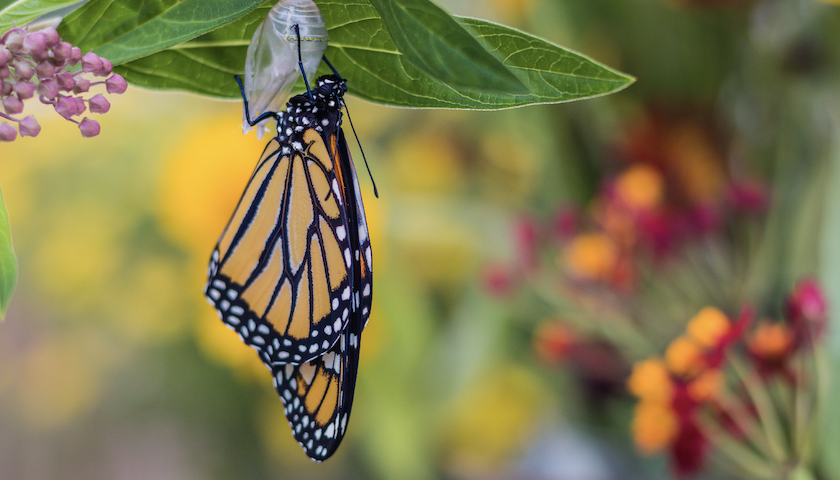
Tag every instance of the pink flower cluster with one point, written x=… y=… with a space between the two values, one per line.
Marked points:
x=39 y=63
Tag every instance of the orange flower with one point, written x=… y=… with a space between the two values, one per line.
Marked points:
x=771 y=340
x=640 y=187
x=706 y=386
x=650 y=380
x=654 y=426
x=684 y=357
x=708 y=326
x=592 y=256
x=552 y=341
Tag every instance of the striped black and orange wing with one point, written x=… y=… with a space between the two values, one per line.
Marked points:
x=292 y=272
x=280 y=273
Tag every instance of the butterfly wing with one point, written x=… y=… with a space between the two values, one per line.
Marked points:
x=363 y=295
x=280 y=273
x=318 y=395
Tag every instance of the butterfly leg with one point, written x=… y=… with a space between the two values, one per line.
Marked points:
x=247 y=112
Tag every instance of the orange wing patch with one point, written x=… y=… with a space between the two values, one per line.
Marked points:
x=280 y=273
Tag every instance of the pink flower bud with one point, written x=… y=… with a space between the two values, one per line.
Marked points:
x=36 y=44
x=48 y=88
x=115 y=84
x=5 y=55
x=66 y=81
x=66 y=107
x=89 y=128
x=25 y=90
x=75 y=55
x=80 y=105
x=498 y=280
x=6 y=87
x=13 y=105
x=5 y=72
x=14 y=42
x=99 y=104
x=45 y=70
x=35 y=41
x=7 y=132
x=29 y=127
x=62 y=52
x=51 y=36
x=91 y=62
x=24 y=70
x=107 y=68
x=82 y=85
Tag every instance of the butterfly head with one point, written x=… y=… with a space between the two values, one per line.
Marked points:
x=330 y=87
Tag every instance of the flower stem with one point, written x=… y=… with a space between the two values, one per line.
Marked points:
x=767 y=414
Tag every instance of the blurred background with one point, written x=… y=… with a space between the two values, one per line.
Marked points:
x=527 y=261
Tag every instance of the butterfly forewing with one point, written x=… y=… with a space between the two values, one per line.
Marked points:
x=280 y=272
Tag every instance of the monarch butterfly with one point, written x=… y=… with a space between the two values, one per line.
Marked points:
x=291 y=273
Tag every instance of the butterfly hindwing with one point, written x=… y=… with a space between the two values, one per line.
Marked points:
x=318 y=395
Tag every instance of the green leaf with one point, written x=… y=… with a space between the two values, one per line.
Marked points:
x=122 y=31
x=435 y=43
x=8 y=260
x=363 y=52
x=24 y=11
x=205 y=65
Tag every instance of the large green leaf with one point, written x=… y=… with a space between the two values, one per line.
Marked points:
x=205 y=65
x=8 y=260
x=362 y=51
x=431 y=40
x=552 y=74
x=24 y=11
x=122 y=31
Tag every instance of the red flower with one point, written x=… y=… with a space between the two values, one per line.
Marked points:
x=806 y=310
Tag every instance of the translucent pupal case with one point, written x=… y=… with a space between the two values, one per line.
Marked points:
x=271 y=65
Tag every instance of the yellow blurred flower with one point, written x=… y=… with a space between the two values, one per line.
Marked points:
x=512 y=398
x=706 y=386
x=82 y=257
x=771 y=340
x=426 y=162
x=654 y=426
x=650 y=380
x=684 y=357
x=202 y=180
x=708 y=326
x=224 y=345
x=591 y=255
x=640 y=187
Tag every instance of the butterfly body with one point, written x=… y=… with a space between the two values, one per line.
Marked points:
x=291 y=273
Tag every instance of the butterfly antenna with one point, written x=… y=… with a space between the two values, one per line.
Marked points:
x=336 y=74
x=375 y=191
x=300 y=62
x=259 y=119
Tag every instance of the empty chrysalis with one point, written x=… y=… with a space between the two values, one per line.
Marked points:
x=271 y=65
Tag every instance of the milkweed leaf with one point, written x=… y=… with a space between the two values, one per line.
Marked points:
x=8 y=260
